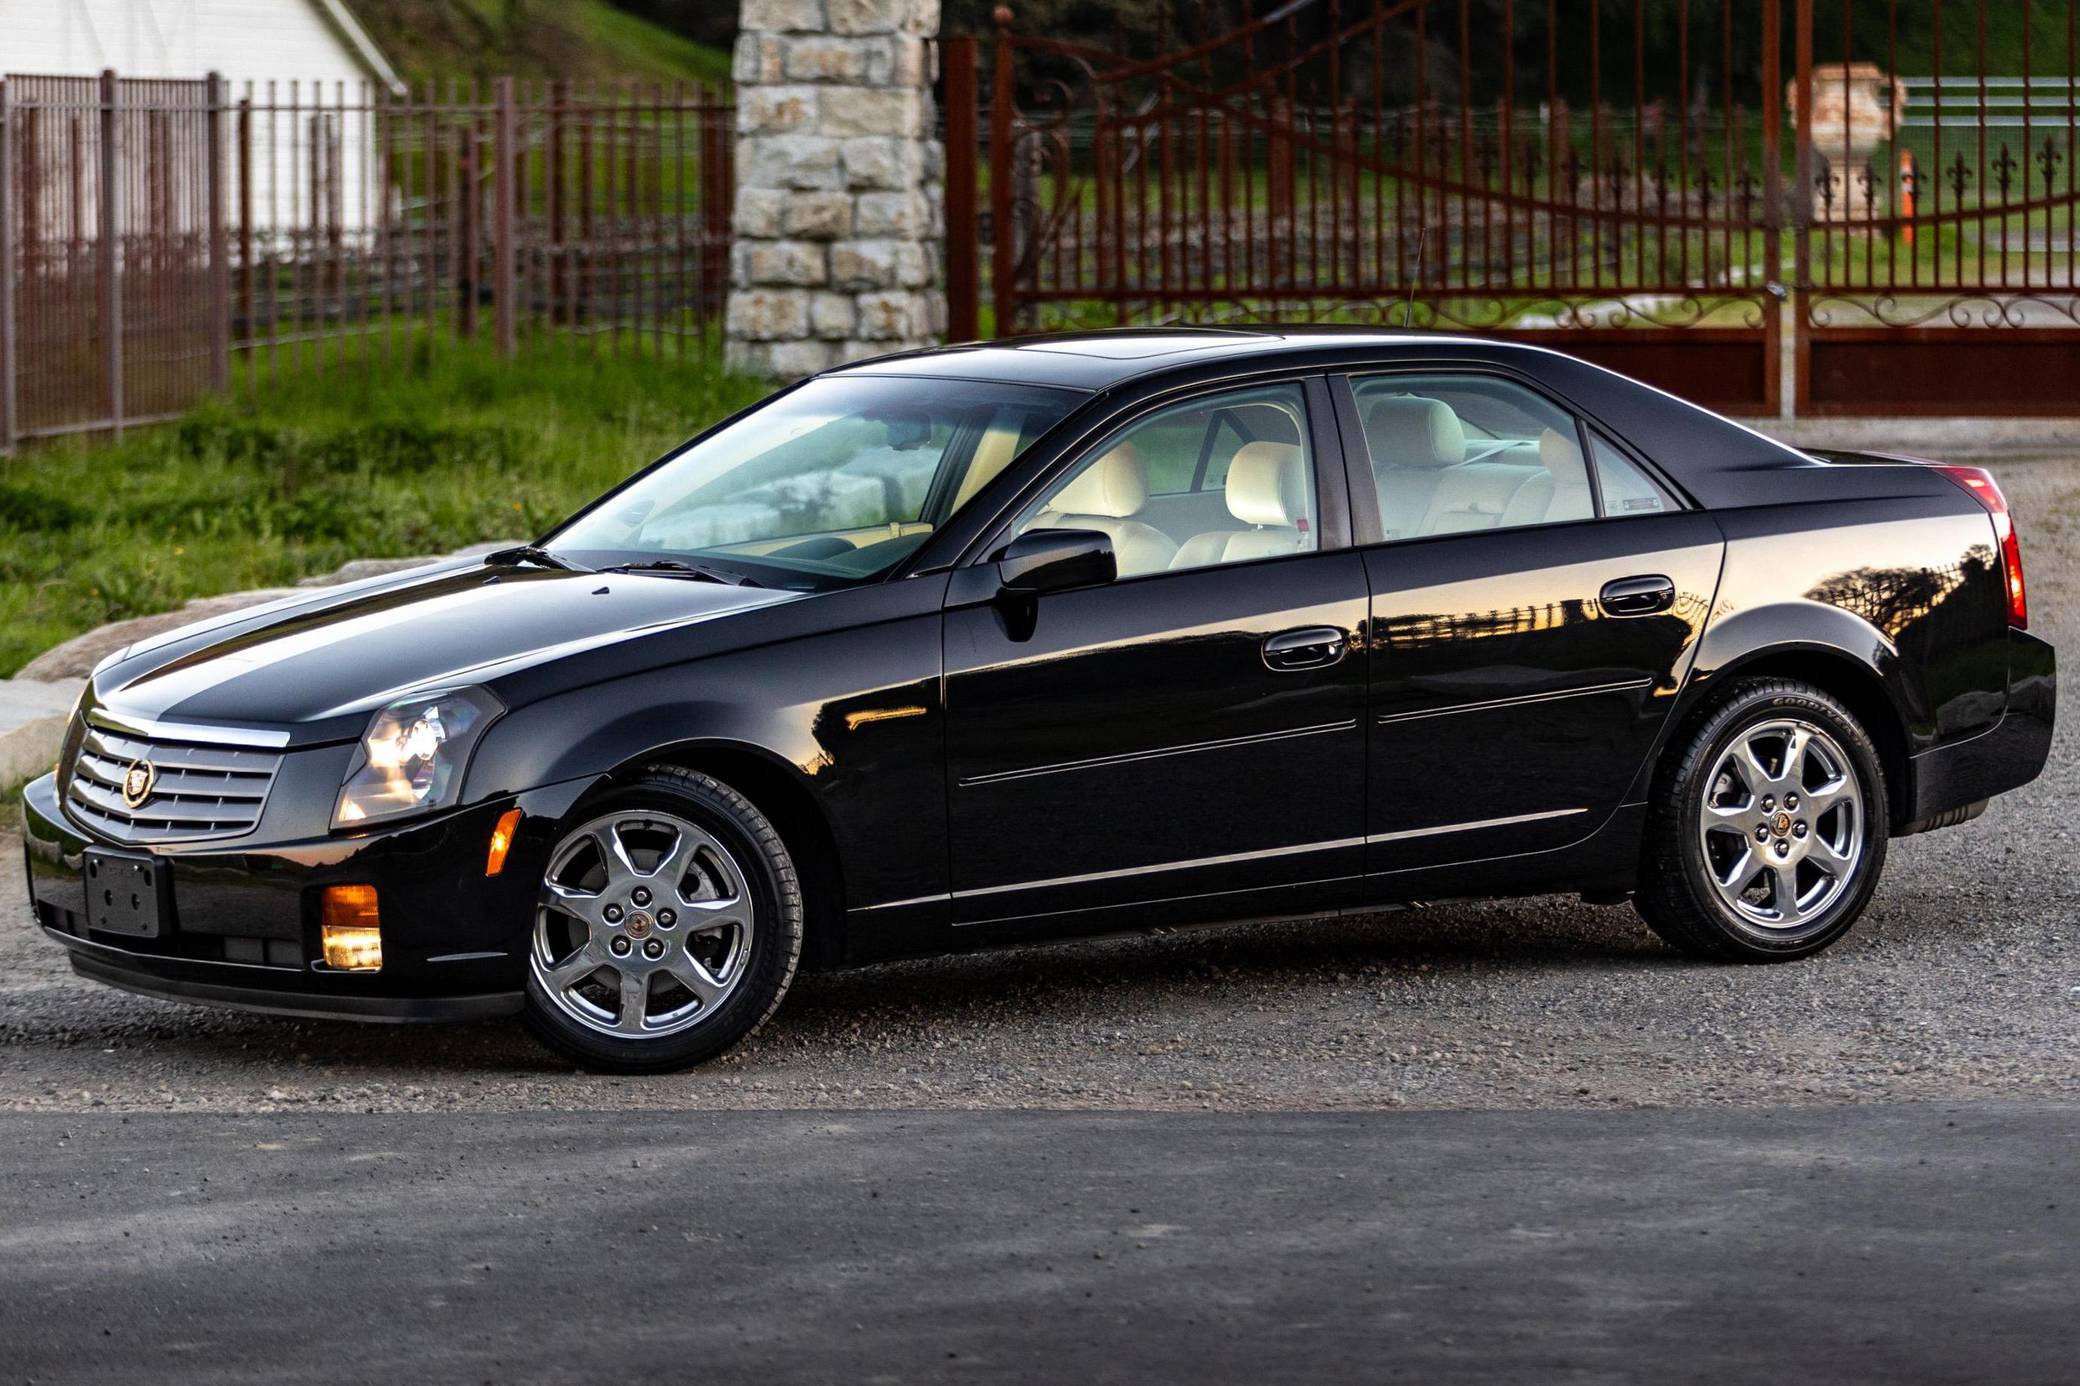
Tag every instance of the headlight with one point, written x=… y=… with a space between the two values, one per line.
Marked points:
x=413 y=755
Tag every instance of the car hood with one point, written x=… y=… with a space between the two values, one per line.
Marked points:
x=317 y=666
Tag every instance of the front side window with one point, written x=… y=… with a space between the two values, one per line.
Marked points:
x=831 y=484
x=1220 y=479
x=1453 y=452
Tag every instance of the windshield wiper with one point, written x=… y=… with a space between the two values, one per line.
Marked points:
x=677 y=568
x=532 y=553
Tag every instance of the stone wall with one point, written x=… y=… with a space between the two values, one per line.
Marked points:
x=839 y=173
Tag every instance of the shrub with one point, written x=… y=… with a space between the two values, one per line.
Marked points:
x=27 y=510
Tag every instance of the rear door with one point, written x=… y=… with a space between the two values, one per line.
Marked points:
x=1533 y=614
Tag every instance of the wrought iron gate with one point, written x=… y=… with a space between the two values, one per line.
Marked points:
x=1625 y=179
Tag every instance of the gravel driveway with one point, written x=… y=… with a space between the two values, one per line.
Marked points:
x=1961 y=982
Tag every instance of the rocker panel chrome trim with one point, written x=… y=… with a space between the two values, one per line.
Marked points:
x=1519 y=701
x=1441 y=828
x=1154 y=753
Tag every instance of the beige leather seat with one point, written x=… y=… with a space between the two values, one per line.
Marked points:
x=1105 y=497
x=1267 y=490
x=1479 y=495
x=1413 y=440
x=1560 y=491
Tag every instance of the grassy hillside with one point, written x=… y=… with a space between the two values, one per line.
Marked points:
x=458 y=447
x=587 y=40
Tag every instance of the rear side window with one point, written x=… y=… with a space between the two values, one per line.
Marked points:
x=1454 y=452
x=1626 y=489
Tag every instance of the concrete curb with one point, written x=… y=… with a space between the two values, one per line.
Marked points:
x=32 y=724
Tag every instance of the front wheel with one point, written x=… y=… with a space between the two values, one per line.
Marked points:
x=1768 y=832
x=667 y=928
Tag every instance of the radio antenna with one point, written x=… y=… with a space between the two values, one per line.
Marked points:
x=1408 y=310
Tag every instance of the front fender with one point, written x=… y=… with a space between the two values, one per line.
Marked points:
x=852 y=716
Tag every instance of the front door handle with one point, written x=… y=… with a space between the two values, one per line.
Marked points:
x=1637 y=596
x=1315 y=647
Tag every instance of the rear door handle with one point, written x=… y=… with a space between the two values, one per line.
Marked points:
x=1315 y=647
x=1637 y=596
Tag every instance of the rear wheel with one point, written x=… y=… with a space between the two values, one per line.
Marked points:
x=667 y=928
x=1768 y=833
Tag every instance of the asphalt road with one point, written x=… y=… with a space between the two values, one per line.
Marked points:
x=1877 y=1243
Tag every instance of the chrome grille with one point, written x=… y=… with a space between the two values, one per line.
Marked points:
x=202 y=791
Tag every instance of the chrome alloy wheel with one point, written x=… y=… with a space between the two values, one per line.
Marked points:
x=643 y=927
x=1782 y=824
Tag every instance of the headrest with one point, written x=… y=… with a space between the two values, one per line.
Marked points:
x=1267 y=485
x=1412 y=431
x=1266 y=422
x=1113 y=486
x=1562 y=457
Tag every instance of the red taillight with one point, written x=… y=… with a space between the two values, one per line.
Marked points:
x=1987 y=491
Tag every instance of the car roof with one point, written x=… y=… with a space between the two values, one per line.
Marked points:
x=1101 y=359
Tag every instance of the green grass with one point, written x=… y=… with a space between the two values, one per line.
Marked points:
x=643 y=49
x=453 y=447
x=587 y=40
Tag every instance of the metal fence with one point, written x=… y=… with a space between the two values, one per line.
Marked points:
x=1629 y=180
x=163 y=239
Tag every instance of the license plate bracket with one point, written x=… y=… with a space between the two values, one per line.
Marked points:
x=127 y=893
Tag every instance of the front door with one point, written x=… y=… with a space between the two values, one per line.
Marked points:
x=1192 y=729
x=1536 y=600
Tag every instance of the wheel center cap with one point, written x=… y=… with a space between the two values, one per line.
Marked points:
x=638 y=926
x=1782 y=823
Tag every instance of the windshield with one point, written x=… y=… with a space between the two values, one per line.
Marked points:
x=831 y=484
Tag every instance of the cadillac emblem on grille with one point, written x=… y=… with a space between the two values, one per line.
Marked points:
x=138 y=781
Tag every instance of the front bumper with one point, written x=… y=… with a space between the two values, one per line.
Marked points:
x=243 y=926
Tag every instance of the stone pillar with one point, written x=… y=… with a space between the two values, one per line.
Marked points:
x=838 y=199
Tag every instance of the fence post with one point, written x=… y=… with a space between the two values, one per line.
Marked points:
x=247 y=273
x=108 y=260
x=718 y=139
x=559 y=105
x=963 y=287
x=1001 y=176
x=1802 y=205
x=503 y=259
x=1777 y=311
x=8 y=425
x=466 y=255
x=219 y=271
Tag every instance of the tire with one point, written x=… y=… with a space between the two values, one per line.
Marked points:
x=693 y=927
x=1718 y=846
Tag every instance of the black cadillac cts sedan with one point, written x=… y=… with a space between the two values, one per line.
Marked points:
x=1006 y=642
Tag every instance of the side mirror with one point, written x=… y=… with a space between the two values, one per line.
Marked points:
x=1055 y=560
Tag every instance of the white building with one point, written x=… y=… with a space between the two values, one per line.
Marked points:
x=307 y=67
x=244 y=40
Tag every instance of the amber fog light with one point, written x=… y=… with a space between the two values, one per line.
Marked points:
x=350 y=929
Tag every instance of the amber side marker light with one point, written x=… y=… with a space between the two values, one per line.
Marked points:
x=501 y=841
x=350 y=929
